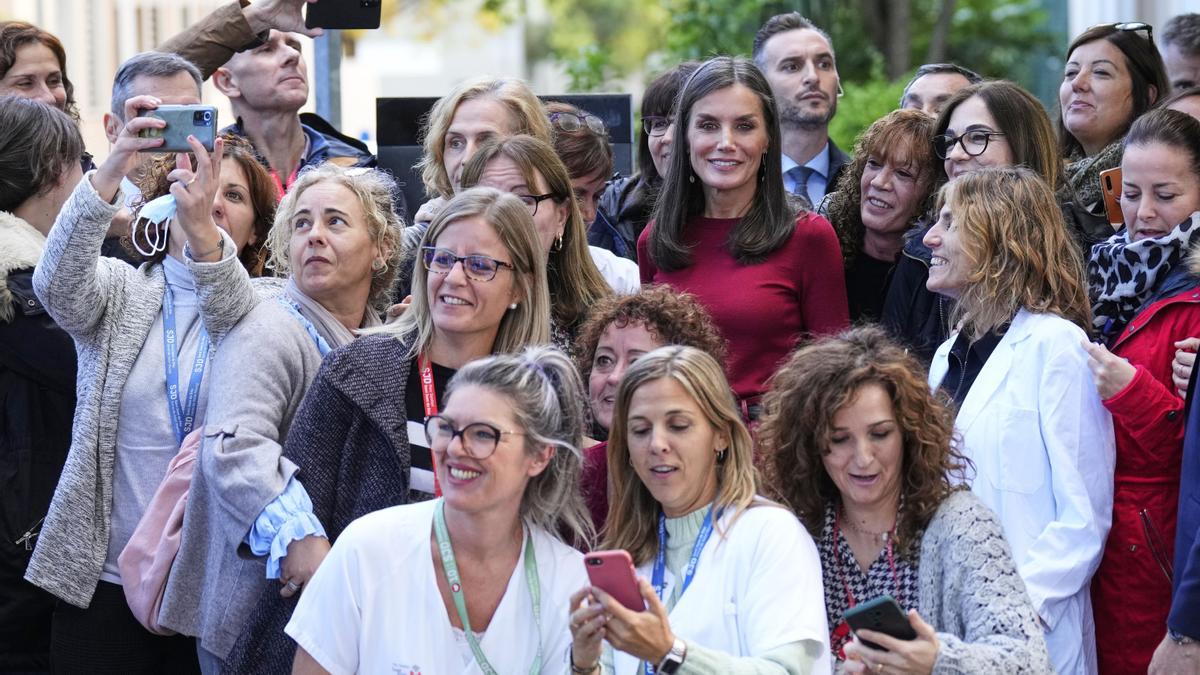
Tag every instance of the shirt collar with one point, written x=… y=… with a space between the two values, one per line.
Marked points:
x=819 y=163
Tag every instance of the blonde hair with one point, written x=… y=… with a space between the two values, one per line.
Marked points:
x=526 y=116
x=632 y=511
x=547 y=398
x=375 y=191
x=575 y=282
x=529 y=322
x=1017 y=249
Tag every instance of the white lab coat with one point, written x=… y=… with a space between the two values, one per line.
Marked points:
x=1043 y=448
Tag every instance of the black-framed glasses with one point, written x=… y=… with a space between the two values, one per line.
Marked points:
x=532 y=201
x=475 y=266
x=974 y=143
x=479 y=439
x=569 y=122
x=1131 y=27
x=656 y=125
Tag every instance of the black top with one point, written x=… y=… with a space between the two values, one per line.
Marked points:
x=414 y=410
x=867 y=282
x=966 y=360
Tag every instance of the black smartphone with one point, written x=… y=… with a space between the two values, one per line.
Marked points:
x=344 y=14
x=182 y=121
x=882 y=615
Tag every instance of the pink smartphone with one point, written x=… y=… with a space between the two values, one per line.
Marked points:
x=612 y=572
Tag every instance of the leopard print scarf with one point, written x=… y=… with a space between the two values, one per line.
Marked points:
x=1122 y=275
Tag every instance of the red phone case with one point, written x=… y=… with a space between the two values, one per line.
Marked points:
x=612 y=572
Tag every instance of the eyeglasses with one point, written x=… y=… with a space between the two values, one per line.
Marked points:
x=476 y=267
x=479 y=439
x=568 y=122
x=1131 y=27
x=656 y=125
x=532 y=201
x=974 y=143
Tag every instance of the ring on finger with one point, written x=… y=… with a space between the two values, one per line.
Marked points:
x=292 y=586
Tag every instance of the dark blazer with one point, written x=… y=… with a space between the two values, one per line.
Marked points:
x=350 y=441
x=1185 y=598
x=837 y=164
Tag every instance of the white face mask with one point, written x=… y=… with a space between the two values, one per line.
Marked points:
x=152 y=218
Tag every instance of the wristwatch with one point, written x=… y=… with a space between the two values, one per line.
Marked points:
x=674 y=658
x=1179 y=638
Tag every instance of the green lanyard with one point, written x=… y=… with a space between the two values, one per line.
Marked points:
x=450 y=567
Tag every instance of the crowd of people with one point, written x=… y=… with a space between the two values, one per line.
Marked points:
x=258 y=417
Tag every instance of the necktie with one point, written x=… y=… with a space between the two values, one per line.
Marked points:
x=801 y=174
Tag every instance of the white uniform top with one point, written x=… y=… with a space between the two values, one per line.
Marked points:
x=621 y=273
x=1042 y=444
x=756 y=589
x=374 y=606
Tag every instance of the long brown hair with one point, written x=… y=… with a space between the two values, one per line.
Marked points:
x=797 y=423
x=632 y=511
x=771 y=220
x=1017 y=249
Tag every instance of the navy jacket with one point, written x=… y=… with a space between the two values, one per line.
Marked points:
x=1185 y=598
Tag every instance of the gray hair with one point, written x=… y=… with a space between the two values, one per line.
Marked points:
x=1183 y=31
x=148 y=64
x=935 y=68
x=547 y=397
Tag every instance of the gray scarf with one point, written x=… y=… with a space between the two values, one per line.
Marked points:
x=326 y=324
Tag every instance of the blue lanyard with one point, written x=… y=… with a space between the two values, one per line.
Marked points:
x=294 y=309
x=183 y=417
x=689 y=572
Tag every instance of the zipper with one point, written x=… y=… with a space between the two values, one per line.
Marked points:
x=1157 y=550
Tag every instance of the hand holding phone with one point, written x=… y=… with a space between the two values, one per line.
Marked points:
x=613 y=573
x=344 y=14
x=182 y=121
x=882 y=615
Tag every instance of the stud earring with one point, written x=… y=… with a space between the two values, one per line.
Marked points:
x=377 y=264
x=513 y=306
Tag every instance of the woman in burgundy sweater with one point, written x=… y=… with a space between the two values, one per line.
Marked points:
x=725 y=230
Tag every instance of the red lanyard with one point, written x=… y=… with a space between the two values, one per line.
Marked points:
x=429 y=396
x=842 y=633
x=282 y=186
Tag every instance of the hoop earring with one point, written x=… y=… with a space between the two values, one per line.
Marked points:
x=558 y=243
x=692 y=178
x=722 y=456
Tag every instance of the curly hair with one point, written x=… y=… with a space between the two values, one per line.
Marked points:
x=632 y=509
x=1017 y=249
x=263 y=198
x=901 y=138
x=819 y=380
x=375 y=191
x=672 y=317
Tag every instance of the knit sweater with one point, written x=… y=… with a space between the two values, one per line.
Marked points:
x=971 y=594
x=108 y=308
x=350 y=441
x=258 y=379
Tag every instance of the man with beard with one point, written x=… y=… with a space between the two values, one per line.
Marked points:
x=797 y=59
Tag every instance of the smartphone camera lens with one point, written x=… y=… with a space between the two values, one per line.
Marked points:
x=594 y=562
x=202 y=118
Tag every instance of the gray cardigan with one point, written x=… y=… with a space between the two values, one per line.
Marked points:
x=108 y=308
x=971 y=594
x=259 y=376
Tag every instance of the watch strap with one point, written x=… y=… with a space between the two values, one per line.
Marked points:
x=674 y=658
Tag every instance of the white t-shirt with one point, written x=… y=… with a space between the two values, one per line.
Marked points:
x=374 y=606
x=754 y=590
x=620 y=273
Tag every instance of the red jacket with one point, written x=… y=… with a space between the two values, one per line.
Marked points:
x=1131 y=593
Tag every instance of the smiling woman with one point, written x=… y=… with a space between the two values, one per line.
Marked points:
x=723 y=221
x=33 y=64
x=359 y=437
